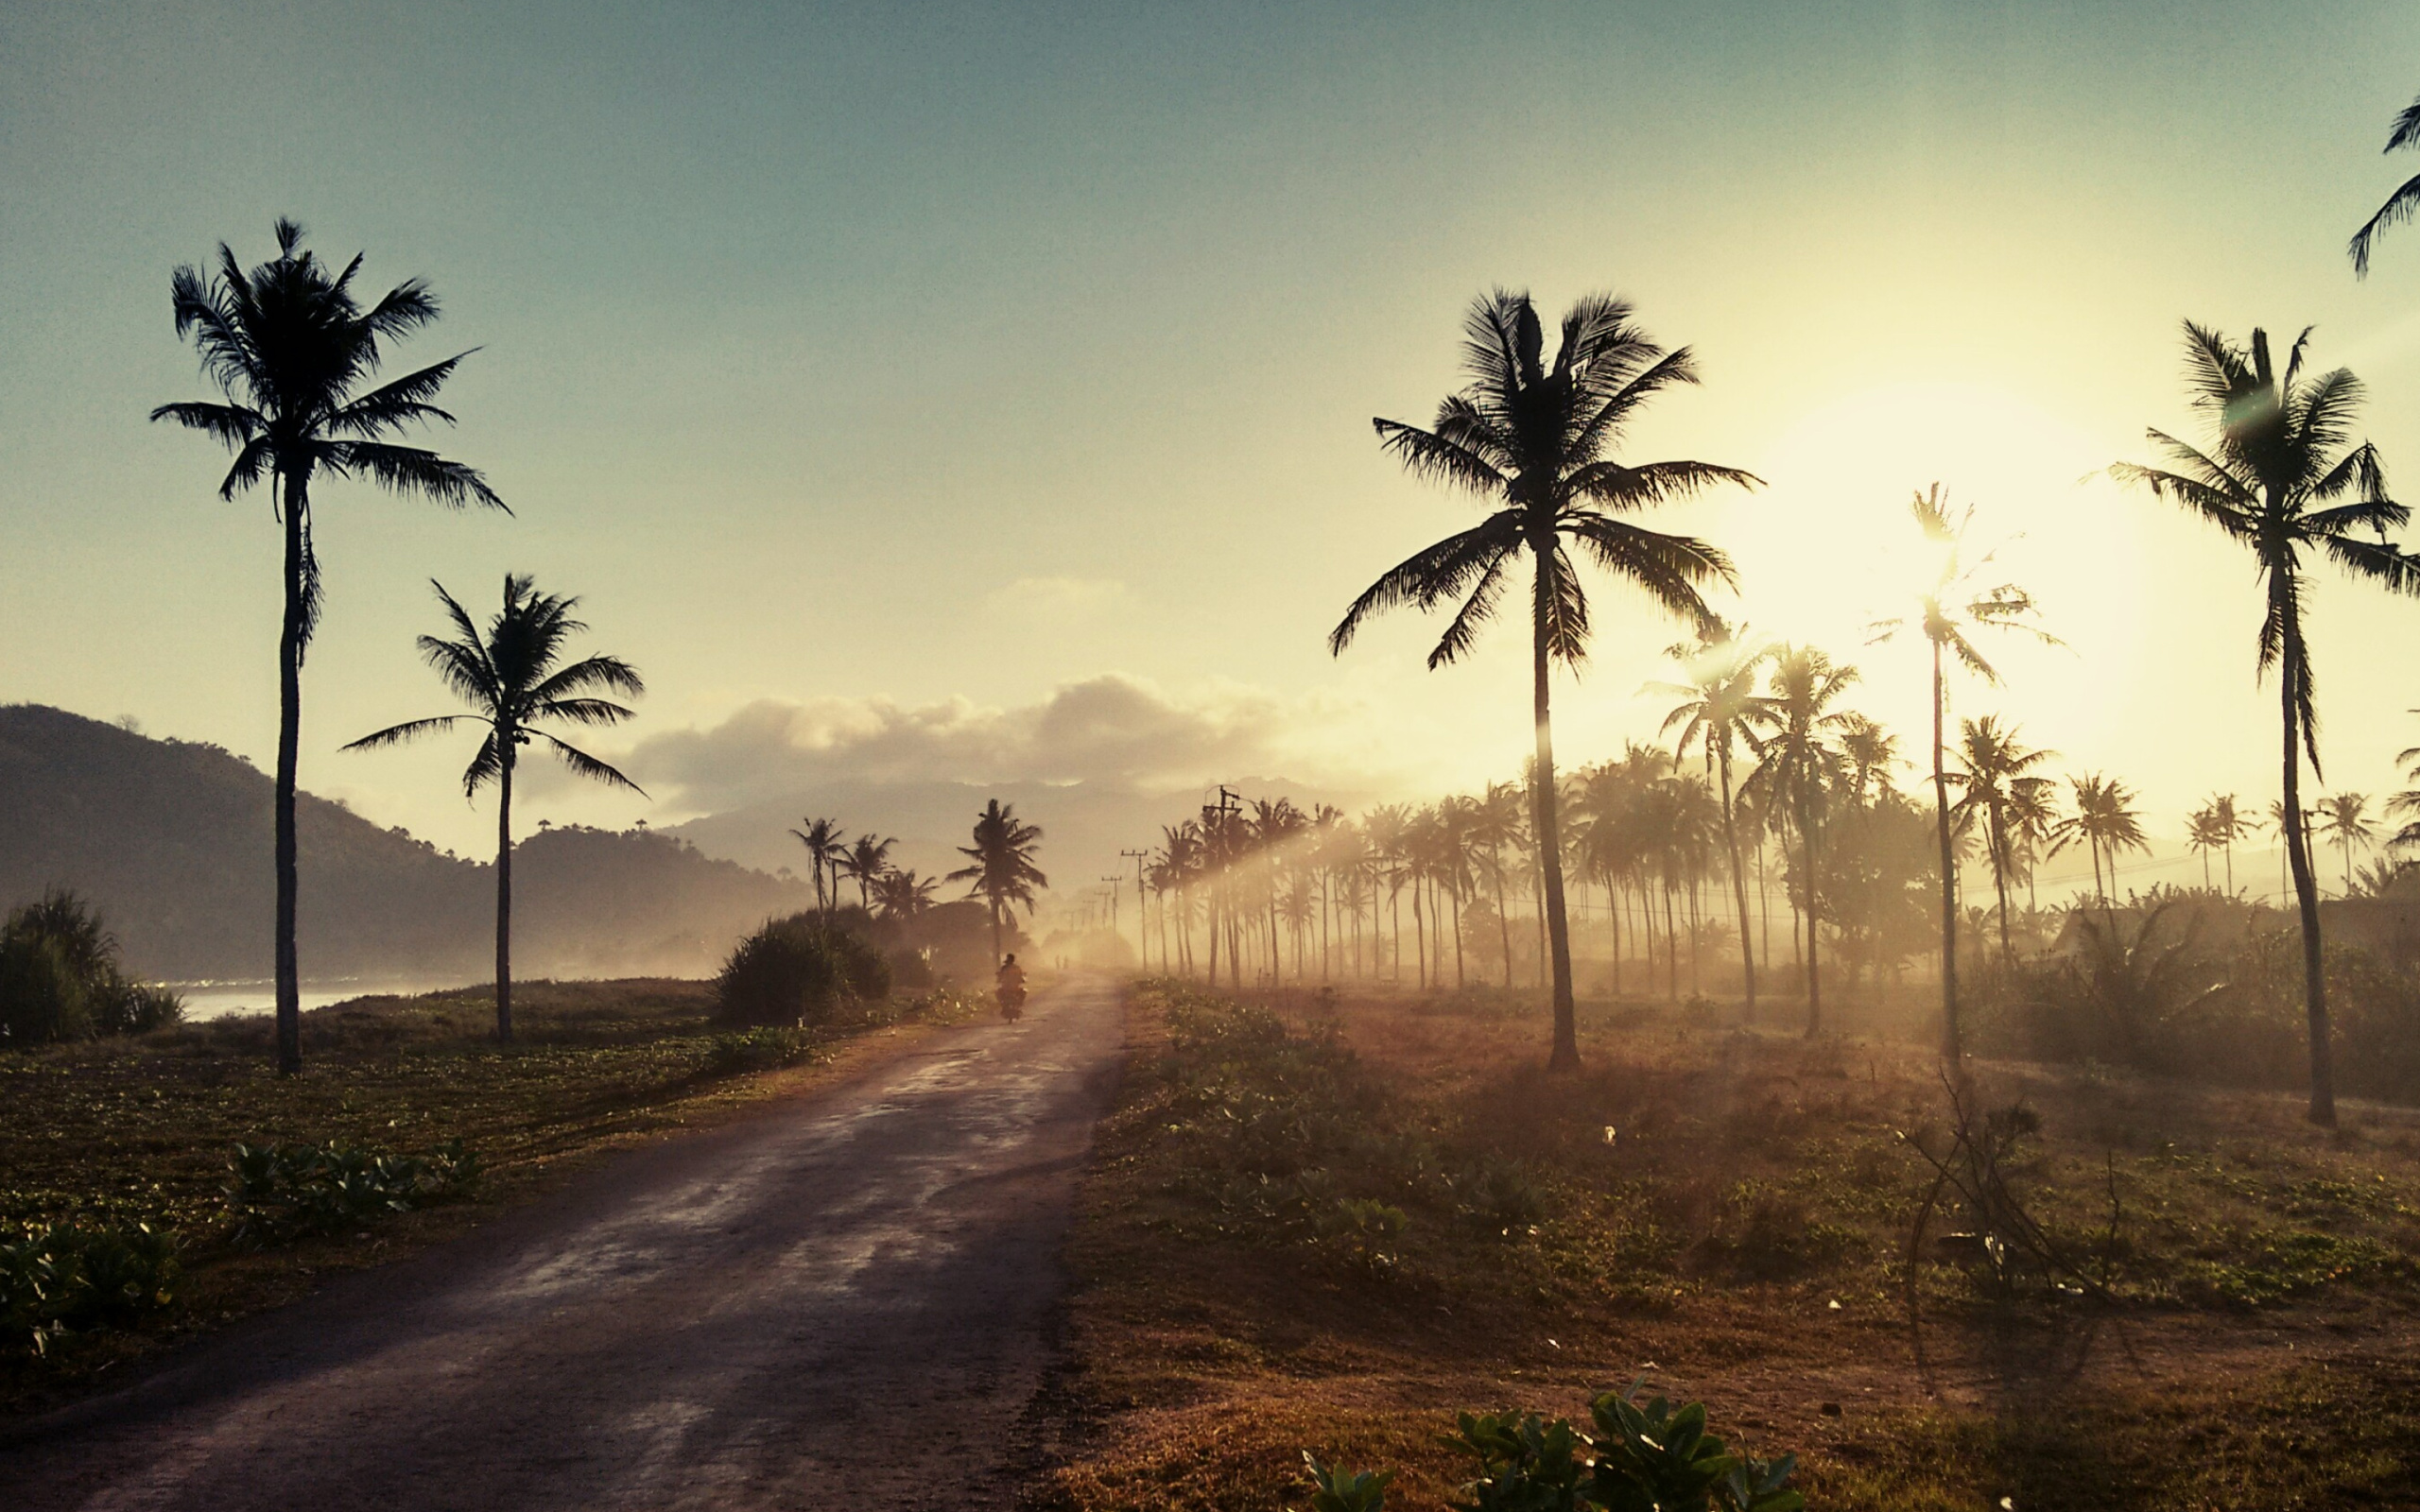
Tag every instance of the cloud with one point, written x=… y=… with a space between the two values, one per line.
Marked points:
x=1058 y=600
x=1111 y=729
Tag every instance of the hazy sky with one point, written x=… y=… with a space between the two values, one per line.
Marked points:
x=993 y=382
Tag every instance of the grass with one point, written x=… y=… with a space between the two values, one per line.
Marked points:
x=1726 y=1214
x=138 y=1129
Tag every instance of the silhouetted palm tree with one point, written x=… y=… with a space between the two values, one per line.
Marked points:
x=826 y=848
x=1957 y=602
x=1002 y=872
x=2342 y=818
x=510 y=678
x=2228 y=826
x=865 y=860
x=1995 y=779
x=2400 y=204
x=2106 y=823
x=1795 y=766
x=1532 y=440
x=2281 y=479
x=1717 y=704
x=291 y=348
x=902 y=895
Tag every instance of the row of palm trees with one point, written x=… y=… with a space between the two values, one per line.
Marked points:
x=2280 y=474
x=1001 y=870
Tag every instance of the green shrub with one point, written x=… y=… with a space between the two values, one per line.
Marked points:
x=61 y=1278
x=1643 y=1458
x=797 y=970
x=280 y=1192
x=769 y=1047
x=60 y=977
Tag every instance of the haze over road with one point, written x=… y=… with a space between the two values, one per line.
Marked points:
x=843 y=1300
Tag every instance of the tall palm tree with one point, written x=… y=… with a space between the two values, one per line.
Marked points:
x=2228 y=826
x=902 y=895
x=1956 y=603
x=1532 y=440
x=866 y=859
x=1796 y=759
x=2201 y=838
x=2344 y=819
x=2105 y=822
x=1001 y=870
x=1996 y=784
x=292 y=349
x=512 y=678
x=1715 y=713
x=826 y=845
x=2281 y=479
x=2400 y=204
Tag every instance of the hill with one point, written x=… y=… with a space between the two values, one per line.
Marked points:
x=172 y=839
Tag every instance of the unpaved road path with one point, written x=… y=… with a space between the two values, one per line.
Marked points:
x=845 y=1302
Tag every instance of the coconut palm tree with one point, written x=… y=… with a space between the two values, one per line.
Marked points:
x=2344 y=819
x=2282 y=478
x=291 y=348
x=826 y=846
x=2105 y=823
x=866 y=859
x=1716 y=712
x=1869 y=753
x=2201 y=838
x=1532 y=440
x=1001 y=870
x=512 y=678
x=2228 y=825
x=1957 y=603
x=1797 y=762
x=1997 y=785
x=2400 y=204
x=902 y=895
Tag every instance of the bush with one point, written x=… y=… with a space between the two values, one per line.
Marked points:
x=797 y=970
x=64 y=1277
x=769 y=1047
x=280 y=1192
x=60 y=978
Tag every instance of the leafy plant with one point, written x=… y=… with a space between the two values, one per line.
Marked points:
x=797 y=970
x=1526 y=1463
x=1336 y=1489
x=60 y=977
x=769 y=1047
x=280 y=1192
x=1364 y=1232
x=60 y=1278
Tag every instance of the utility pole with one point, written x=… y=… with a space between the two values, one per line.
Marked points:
x=1141 y=913
x=1114 y=880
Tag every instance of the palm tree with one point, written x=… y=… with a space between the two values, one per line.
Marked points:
x=2399 y=205
x=1717 y=703
x=901 y=895
x=2228 y=826
x=1001 y=870
x=1996 y=784
x=826 y=850
x=1956 y=603
x=290 y=347
x=2281 y=479
x=2201 y=838
x=865 y=860
x=511 y=680
x=2106 y=823
x=1795 y=766
x=1532 y=440
x=2344 y=820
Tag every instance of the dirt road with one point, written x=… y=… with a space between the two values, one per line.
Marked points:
x=846 y=1301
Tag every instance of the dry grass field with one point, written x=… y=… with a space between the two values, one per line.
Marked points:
x=1327 y=1225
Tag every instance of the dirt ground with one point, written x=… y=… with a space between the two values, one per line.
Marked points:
x=847 y=1298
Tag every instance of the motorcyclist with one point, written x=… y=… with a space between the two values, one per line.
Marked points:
x=1011 y=986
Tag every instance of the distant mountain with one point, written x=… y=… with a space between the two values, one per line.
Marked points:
x=172 y=839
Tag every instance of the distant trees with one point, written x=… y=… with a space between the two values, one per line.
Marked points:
x=291 y=348
x=825 y=848
x=1000 y=868
x=1998 y=785
x=1716 y=713
x=2282 y=477
x=514 y=677
x=1532 y=440
x=1796 y=726
x=2105 y=823
x=867 y=859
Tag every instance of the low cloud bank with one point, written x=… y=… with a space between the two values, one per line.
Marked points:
x=1110 y=730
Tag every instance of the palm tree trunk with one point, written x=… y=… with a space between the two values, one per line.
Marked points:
x=504 y=894
x=1999 y=881
x=1814 y=971
x=1420 y=928
x=1565 y=1055
x=1671 y=949
x=1614 y=919
x=2322 y=1057
x=1503 y=923
x=1950 y=1049
x=289 y=741
x=995 y=933
x=1739 y=887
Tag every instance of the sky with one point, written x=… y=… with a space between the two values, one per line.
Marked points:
x=983 y=392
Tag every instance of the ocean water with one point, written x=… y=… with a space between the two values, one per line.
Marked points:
x=217 y=1000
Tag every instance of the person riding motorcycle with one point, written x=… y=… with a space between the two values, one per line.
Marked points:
x=1011 y=988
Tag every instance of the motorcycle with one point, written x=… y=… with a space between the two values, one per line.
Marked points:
x=1011 y=1002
